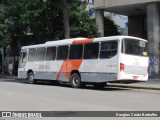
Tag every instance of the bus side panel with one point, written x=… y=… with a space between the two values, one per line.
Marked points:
x=108 y=69
x=39 y=70
x=106 y=77
x=30 y=66
x=67 y=67
x=89 y=71
x=22 y=74
x=52 y=69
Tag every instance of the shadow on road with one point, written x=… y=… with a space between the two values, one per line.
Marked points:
x=65 y=85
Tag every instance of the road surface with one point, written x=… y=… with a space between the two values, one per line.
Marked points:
x=17 y=95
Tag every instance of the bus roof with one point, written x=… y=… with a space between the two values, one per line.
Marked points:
x=79 y=40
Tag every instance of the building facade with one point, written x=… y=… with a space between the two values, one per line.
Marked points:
x=120 y=20
x=143 y=22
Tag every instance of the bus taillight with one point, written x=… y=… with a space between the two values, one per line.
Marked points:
x=121 y=67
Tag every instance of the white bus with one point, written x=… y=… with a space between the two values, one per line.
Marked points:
x=81 y=60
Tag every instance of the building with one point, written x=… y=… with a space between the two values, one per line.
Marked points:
x=90 y=1
x=143 y=21
x=90 y=7
x=119 y=20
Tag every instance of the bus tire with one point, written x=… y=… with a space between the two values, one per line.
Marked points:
x=76 y=80
x=31 y=79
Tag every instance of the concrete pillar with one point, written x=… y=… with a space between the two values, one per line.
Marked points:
x=100 y=21
x=153 y=28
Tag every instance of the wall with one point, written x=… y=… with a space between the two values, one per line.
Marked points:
x=113 y=3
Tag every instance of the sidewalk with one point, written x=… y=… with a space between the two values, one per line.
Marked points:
x=6 y=76
x=151 y=84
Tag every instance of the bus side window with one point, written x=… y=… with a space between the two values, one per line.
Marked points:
x=31 y=56
x=76 y=52
x=40 y=54
x=91 y=51
x=51 y=54
x=108 y=49
x=62 y=53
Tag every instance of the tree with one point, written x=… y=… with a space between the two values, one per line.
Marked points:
x=66 y=19
x=82 y=25
x=26 y=22
x=5 y=35
x=110 y=28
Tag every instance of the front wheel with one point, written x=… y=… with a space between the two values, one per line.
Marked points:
x=31 y=79
x=76 y=80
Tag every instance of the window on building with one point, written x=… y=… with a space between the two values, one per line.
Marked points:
x=31 y=56
x=91 y=51
x=76 y=52
x=62 y=53
x=90 y=1
x=51 y=53
x=108 y=49
x=40 y=54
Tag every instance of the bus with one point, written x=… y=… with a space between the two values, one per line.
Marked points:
x=97 y=61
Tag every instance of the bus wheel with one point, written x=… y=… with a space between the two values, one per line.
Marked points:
x=76 y=80
x=31 y=78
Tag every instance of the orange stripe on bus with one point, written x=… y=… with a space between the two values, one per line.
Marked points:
x=68 y=66
x=83 y=41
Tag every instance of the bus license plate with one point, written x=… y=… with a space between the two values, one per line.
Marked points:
x=135 y=77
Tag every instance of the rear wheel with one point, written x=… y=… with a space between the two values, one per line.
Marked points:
x=76 y=80
x=31 y=79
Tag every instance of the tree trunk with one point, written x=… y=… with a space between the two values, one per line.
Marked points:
x=66 y=19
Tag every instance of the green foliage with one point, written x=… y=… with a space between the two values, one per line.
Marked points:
x=5 y=36
x=81 y=24
x=110 y=28
x=37 y=21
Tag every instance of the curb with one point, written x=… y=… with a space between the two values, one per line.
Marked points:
x=135 y=87
x=6 y=77
x=108 y=85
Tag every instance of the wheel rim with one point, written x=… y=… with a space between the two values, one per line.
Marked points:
x=76 y=80
x=31 y=78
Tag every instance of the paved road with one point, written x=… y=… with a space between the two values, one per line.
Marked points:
x=17 y=95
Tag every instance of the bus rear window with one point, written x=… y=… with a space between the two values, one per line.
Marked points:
x=135 y=47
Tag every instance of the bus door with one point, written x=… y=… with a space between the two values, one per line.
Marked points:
x=51 y=66
x=61 y=63
x=39 y=64
x=90 y=63
x=22 y=64
x=108 y=61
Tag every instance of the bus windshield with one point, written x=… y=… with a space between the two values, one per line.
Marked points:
x=23 y=57
x=134 y=47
